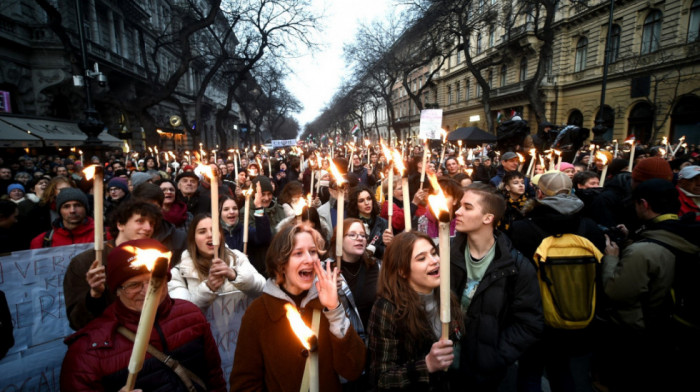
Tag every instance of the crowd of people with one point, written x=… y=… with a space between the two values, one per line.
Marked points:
x=369 y=289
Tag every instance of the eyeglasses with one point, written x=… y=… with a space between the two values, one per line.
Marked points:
x=134 y=287
x=356 y=236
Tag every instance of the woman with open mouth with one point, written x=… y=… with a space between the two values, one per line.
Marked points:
x=269 y=356
x=404 y=330
x=217 y=283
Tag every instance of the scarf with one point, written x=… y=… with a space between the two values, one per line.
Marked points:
x=177 y=215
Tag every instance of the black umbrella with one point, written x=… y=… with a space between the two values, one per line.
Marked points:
x=471 y=135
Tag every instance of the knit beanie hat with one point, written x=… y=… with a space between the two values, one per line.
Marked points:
x=565 y=165
x=120 y=259
x=14 y=186
x=70 y=194
x=265 y=184
x=138 y=178
x=654 y=167
x=554 y=182
x=118 y=182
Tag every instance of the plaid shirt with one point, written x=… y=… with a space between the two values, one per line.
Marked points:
x=390 y=366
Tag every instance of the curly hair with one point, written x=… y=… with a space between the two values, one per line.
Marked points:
x=354 y=195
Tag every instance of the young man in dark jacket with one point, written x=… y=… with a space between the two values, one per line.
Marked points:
x=498 y=290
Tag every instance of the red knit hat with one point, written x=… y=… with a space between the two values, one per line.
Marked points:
x=120 y=259
x=654 y=167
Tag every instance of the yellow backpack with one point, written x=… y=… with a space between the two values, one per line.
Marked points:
x=567 y=272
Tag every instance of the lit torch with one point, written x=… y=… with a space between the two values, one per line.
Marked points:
x=390 y=188
x=425 y=163
x=444 y=145
x=340 y=181
x=438 y=204
x=211 y=172
x=307 y=338
x=404 y=191
x=521 y=158
x=604 y=160
x=157 y=263
x=246 y=218
x=532 y=161
x=558 y=153
x=631 y=163
x=97 y=172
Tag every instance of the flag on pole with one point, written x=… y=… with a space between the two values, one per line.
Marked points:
x=630 y=138
x=499 y=117
x=355 y=131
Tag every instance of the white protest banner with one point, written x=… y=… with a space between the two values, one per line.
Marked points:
x=430 y=124
x=32 y=281
x=283 y=143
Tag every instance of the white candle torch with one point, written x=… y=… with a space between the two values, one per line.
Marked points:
x=157 y=263
x=438 y=204
x=664 y=141
x=96 y=172
x=390 y=188
x=631 y=163
x=404 y=192
x=425 y=163
x=532 y=161
x=212 y=173
x=616 y=148
x=558 y=153
x=310 y=380
x=82 y=162
x=157 y=156
x=340 y=208
x=201 y=151
x=675 y=150
x=521 y=159
x=246 y=218
x=591 y=148
x=604 y=160
x=444 y=145
x=367 y=148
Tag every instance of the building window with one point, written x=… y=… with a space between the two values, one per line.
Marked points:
x=694 y=23
x=614 y=49
x=490 y=80
x=492 y=37
x=478 y=89
x=504 y=75
x=459 y=56
x=458 y=87
x=523 y=69
x=581 y=53
x=651 y=33
x=449 y=95
x=478 y=43
x=467 y=93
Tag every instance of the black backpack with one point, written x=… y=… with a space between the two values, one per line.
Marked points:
x=685 y=292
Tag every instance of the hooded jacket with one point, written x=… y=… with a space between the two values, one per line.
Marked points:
x=558 y=214
x=186 y=283
x=270 y=357
x=259 y=233
x=98 y=355
x=638 y=282
x=611 y=206
x=85 y=233
x=504 y=317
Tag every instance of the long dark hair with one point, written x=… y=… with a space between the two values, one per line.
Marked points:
x=201 y=263
x=353 y=211
x=394 y=286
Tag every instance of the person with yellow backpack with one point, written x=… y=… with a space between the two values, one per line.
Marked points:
x=566 y=248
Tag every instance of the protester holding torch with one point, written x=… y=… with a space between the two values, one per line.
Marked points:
x=136 y=273
x=297 y=317
x=405 y=345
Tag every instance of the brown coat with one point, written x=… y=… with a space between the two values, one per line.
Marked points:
x=269 y=356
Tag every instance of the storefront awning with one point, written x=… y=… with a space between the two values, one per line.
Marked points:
x=48 y=133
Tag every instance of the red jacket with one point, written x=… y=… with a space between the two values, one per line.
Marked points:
x=98 y=355
x=82 y=234
x=688 y=205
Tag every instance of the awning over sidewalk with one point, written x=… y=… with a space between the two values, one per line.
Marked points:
x=48 y=133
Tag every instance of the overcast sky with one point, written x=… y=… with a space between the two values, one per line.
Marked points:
x=318 y=75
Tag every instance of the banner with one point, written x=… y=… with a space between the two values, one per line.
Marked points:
x=284 y=143
x=430 y=124
x=32 y=281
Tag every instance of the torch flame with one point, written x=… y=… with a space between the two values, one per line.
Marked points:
x=206 y=170
x=533 y=151
x=470 y=171
x=664 y=141
x=601 y=157
x=336 y=173
x=460 y=160
x=438 y=202
x=520 y=157
x=247 y=192
x=145 y=257
x=89 y=172
x=366 y=142
x=386 y=151
x=398 y=162
x=558 y=152
x=444 y=134
x=300 y=329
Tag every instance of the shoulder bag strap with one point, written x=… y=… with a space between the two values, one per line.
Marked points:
x=185 y=374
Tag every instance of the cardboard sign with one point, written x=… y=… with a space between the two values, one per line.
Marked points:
x=430 y=124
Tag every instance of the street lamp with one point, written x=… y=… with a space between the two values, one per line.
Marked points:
x=599 y=129
x=90 y=125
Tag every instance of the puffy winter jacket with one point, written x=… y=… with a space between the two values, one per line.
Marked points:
x=82 y=234
x=98 y=355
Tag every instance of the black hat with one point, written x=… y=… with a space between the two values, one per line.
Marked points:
x=186 y=174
